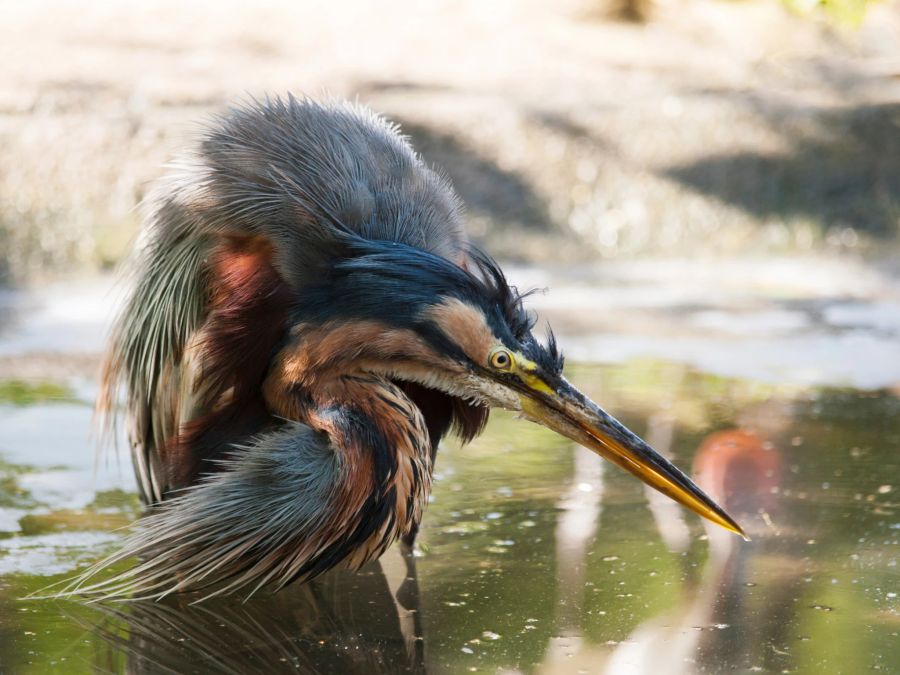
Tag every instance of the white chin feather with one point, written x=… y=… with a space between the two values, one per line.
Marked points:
x=495 y=394
x=470 y=387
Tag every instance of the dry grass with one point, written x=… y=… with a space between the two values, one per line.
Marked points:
x=728 y=126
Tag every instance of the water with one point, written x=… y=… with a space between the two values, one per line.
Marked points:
x=534 y=555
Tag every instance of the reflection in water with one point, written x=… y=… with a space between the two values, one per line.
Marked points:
x=742 y=472
x=746 y=472
x=366 y=622
x=667 y=515
x=716 y=628
x=579 y=517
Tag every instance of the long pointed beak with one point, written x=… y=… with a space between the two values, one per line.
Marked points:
x=570 y=413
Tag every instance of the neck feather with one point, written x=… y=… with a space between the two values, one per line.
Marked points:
x=383 y=447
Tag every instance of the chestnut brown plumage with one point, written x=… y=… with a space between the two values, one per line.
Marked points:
x=307 y=321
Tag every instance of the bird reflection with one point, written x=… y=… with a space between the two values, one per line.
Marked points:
x=746 y=469
x=713 y=629
x=367 y=622
x=579 y=516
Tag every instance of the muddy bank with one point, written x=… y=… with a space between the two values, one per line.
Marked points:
x=715 y=126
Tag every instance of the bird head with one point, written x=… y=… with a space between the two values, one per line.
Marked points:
x=463 y=330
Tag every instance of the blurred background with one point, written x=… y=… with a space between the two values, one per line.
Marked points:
x=710 y=189
x=574 y=130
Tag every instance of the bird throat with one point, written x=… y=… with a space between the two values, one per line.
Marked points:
x=384 y=448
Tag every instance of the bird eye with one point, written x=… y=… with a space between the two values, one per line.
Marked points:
x=501 y=359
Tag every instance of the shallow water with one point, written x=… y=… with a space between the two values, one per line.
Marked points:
x=534 y=555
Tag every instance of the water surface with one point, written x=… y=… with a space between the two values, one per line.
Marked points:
x=534 y=556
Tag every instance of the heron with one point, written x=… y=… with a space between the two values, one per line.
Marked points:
x=307 y=320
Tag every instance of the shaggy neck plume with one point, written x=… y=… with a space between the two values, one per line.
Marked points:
x=383 y=447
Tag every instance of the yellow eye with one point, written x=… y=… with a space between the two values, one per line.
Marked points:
x=501 y=359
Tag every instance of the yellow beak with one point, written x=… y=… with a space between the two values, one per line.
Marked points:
x=570 y=413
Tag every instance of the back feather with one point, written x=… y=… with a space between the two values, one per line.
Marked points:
x=267 y=202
